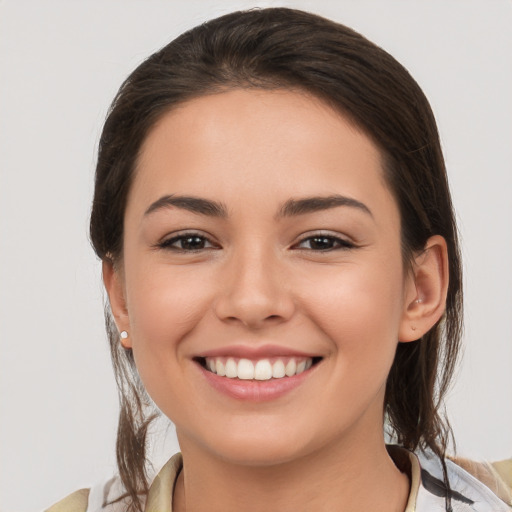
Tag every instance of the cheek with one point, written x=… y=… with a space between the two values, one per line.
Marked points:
x=359 y=313
x=164 y=307
x=358 y=307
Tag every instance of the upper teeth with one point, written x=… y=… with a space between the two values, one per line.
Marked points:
x=262 y=369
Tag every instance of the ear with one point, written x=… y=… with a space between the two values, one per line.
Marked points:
x=112 y=279
x=426 y=289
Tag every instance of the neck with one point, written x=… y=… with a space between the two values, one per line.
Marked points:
x=339 y=478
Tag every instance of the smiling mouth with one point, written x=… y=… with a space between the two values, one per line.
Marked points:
x=260 y=369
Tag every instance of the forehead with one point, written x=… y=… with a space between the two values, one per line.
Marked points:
x=261 y=144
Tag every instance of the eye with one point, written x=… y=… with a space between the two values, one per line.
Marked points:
x=323 y=243
x=187 y=242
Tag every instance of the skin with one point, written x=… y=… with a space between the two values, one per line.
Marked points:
x=257 y=279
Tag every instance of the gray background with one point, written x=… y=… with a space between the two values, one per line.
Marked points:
x=60 y=65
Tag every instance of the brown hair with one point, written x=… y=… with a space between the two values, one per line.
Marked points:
x=284 y=48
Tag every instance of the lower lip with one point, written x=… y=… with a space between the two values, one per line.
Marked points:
x=255 y=390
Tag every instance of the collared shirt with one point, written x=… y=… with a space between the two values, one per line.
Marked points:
x=427 y=494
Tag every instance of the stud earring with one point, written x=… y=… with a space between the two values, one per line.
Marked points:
x=124 y=336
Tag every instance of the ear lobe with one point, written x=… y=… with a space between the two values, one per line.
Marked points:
x=425 y=297
x=116 y=296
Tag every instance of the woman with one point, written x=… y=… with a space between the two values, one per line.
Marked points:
x=281 y=260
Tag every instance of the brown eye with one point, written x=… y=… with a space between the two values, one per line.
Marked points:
x=187 y=242
x=324 y=243
x=192 y=243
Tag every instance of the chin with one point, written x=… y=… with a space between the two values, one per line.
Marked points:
x=261 y=453
x=257 y=443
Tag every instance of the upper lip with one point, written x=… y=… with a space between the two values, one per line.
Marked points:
x=255 y=352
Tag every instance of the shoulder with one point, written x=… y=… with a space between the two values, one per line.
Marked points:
x=497 y=476
x=104 y=496
x=475 y=487
x=108 y=496
x=75 y=502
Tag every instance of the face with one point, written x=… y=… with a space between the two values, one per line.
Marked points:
x=261 y=241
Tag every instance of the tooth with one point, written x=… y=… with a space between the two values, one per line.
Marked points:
x=220 y=368
x=291 y=366
x=231 y=368
x=245 y=369
x=278 y=370
x=263 y=370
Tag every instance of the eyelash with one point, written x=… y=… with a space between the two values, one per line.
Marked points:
x=337 y=243
x=169 y=243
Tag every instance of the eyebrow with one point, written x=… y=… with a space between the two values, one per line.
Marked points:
x=294 y=207
x=190 y=203
x=290 y=208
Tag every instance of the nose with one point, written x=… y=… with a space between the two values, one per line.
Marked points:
x=255 y=292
